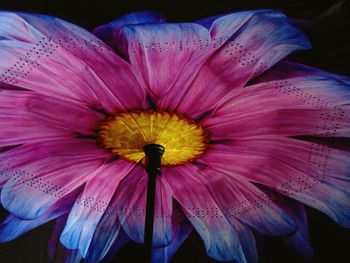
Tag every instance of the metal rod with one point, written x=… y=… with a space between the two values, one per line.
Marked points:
x=154 y=154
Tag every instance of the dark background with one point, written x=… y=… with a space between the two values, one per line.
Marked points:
x=327 y=23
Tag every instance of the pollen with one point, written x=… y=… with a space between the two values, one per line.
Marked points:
x=126 y=134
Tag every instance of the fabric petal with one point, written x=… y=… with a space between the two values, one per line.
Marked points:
x=300 y=240
x=130 y=204
x=108 y=238
x=154 y=49
x=241 y=200
x=91 y=205
x=59 y=59
x=14 y=227
x=219 y=236
x=110 y=33
x=182 y=229
x=41 y=117
x=39 y=175
x=57 y=252
x=288 y=100
x=310 y=173
x=247 y=239
x=248 y=44
x=53 y=244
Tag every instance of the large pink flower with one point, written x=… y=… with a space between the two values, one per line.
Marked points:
x=233 y=119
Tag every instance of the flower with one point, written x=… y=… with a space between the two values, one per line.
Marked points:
x=234 y=117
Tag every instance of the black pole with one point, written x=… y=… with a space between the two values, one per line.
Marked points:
x=154 y=154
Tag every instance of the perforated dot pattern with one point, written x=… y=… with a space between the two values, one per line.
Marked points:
x=28 y=62
x=44 y=48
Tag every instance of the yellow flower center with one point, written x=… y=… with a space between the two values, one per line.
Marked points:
x=126 y=134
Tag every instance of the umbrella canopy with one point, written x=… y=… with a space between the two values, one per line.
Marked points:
x=217 y=95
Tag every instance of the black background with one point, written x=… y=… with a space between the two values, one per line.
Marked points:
x=327 y=23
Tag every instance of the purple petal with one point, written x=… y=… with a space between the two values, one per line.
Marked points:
x=182 y=229
x=310 y=173
x=247 y=239
x=108 y=238
x=59 y=59
x=110 y=33
x=41 y=117
x=130 y=204
x=91 y=205
x=219 y=236
x=247 y=44
x=165 y=56
x=239 y=199
x=14 y=227
x=288 y=100
x=39 y=175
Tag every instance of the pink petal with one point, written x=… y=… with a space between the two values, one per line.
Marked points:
x=288 y=100
x=249 y=43
x=130 y=204
x=241 y=200
x=39 y=175
x=310 y=173
x=35 y=111
x=91 y=205
x=165 y=56
x=59 y=59
x=219 y=236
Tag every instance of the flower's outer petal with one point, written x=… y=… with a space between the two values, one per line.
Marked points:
x=247 y=239
x=219 y=236
x=108 y=238
x=250 y=42
x=308 y=172
x=165 y=56
x=121 y=240
x=300 y=240
x=53 y=243
x=130 y=204
x=57 y=252
x=91 y=204
x=288 y=100
x=110 y=33
x=13 y=226
x=182 y=229
x=39 y=175
x=59 y=59
x=41 y=117
x=241 y=200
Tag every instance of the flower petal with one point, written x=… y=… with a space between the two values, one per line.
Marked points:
x=39 y=175
x=110 y=33
x=182 y=229
x=247 y=239
x=14 y=227
x=41 y=117
x=288 y=100
x=59 y=59
x=300 y=240
x=108 y=238
x=91 y=205
x=130 y=204
x=310 y=173
x=219 y=236
x=154 y=49
x=250 y=42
